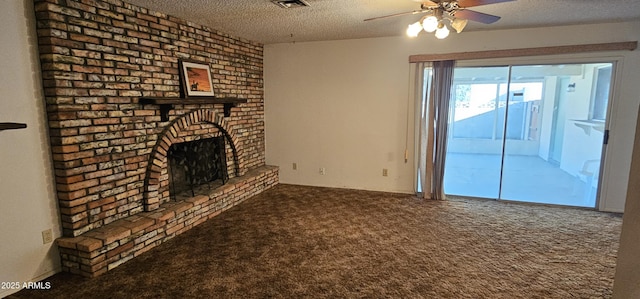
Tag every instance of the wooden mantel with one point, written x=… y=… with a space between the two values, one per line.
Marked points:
x=166 y=104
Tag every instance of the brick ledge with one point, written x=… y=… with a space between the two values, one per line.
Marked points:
x=100 y=250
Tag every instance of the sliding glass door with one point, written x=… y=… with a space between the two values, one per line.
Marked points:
x=528 y=133
x=476 y=128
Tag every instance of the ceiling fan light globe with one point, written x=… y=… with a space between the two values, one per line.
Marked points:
x=430 y=24
x=414 y=29
x=459 y=24
x=442 y=33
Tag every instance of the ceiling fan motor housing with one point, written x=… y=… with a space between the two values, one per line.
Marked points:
x=450 y=6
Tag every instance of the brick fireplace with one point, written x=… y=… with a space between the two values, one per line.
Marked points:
x=98 y=60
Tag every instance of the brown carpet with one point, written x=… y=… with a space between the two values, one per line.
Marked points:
x=310 y=242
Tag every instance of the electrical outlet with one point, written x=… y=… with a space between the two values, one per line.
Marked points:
x=295 y=166
x=47 y=236
x=385 y=172
x=322 y=171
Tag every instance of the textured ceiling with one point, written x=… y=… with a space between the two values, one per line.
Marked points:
x=267 y=23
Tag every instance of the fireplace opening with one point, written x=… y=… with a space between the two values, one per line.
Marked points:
x=195 y=165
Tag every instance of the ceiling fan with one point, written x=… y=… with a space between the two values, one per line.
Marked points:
x=439 y=12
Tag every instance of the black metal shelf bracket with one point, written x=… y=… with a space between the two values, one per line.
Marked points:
x=12 y=126
x=167 y=104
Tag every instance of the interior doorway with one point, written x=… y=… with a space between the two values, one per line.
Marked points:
x=558 y=121
x=530 y=133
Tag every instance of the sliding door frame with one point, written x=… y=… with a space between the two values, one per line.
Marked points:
x=580 y=58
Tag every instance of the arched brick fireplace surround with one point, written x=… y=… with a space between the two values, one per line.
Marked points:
x=201 y=123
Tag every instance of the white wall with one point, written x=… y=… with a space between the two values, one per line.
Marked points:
x=343 y=105
x=27 y=201
x=628 y=264
x=582 y=141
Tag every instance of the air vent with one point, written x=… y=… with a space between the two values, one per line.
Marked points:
x=290 y=3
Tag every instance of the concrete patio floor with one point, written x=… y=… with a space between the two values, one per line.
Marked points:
x=526 y=178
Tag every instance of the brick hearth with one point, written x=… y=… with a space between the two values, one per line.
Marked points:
x=105 y=248
x=98 y=58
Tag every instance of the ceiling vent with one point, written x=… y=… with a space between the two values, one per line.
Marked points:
x=290 y=3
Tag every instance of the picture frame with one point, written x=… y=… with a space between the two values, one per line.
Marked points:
x=196 y=79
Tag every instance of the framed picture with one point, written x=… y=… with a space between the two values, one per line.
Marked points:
x=196 y=79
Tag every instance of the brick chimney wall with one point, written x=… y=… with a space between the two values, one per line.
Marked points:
x=98 y=58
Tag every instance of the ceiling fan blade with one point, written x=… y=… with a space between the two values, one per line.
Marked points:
x=399 y=14
x=476 y=16
x=472 y=3
x=428 y=2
